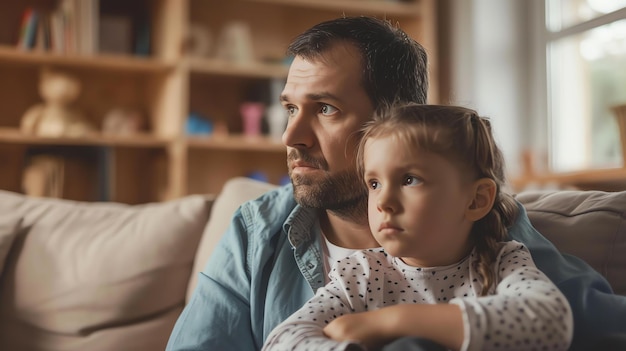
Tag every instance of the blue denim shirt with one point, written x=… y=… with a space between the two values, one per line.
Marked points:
x=270 y=262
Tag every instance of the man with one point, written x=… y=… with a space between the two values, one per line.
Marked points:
x=278 y=249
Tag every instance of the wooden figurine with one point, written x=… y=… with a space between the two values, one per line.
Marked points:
x=56 y=117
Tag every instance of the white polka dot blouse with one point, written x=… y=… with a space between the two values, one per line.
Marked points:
x=523 y=311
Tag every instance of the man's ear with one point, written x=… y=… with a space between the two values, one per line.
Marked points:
x=484 y=191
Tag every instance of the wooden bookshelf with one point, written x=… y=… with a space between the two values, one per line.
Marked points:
x=163 y=162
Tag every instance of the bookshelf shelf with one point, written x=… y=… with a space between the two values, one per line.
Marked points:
x=236 y=142
x=14 y=136
x=14 y=56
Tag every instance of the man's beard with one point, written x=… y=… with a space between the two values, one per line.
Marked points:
x=342 y=193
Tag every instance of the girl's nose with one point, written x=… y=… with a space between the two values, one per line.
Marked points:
x=387 y=201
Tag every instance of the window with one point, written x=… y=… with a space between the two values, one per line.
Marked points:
x=585 y=46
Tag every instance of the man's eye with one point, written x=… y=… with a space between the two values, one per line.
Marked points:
x=411 y=180
x=328 y=110
x=291 y=110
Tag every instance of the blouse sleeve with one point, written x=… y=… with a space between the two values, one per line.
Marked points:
x=303 y=330
x=527 y=311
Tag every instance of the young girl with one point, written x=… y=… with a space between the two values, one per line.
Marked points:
x=445 y=272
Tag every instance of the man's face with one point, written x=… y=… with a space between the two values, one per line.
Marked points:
x=327 y=104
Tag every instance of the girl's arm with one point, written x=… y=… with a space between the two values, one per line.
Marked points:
x=303 y=330
x=441 y=323
x=526 y=311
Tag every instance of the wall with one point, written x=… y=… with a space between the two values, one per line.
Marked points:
x=489 y=56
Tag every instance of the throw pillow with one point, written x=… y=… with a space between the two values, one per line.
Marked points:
x=97 y=276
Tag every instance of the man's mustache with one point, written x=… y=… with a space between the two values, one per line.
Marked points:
x=297 y=155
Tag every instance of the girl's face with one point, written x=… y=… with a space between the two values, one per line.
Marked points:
x=417 y=203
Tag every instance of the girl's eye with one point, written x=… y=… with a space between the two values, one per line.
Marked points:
x=373 y=184
x=411 y=180
x=328 y=110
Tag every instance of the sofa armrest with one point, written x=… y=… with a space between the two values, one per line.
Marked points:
x=236 y=191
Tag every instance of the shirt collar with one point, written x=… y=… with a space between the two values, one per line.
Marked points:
x=299 y=225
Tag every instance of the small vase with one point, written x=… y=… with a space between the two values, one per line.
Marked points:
x=252 y=113
x=620 y=116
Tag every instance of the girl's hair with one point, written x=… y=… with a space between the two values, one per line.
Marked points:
x=395 y=66
x=465 y=138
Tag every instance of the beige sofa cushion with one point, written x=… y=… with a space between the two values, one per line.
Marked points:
x=588 y=224
x=9 y=226
x=235 y=192
x=97 y=276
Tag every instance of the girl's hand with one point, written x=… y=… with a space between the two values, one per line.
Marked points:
x=440 y=323
x=370 y=329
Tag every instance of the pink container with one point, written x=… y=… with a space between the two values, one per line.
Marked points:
x=251 y=114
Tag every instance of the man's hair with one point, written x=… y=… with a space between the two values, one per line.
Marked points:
x=394 y=65
x=462 y=136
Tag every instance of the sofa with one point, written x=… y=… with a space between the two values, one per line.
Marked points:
x=110 y=276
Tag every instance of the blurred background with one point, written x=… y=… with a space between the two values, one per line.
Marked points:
x=150 y=100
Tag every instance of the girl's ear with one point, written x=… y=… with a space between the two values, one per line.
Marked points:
x=484 y=190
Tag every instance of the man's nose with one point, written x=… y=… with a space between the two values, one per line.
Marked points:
x=299 y=132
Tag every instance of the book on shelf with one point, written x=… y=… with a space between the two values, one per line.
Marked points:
x=57 y=32
x=71 y=28
x=115 y=34
x=28 y=28
x=85 y=173
x=125 y=32
x=86 y=27
x=142 y=37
